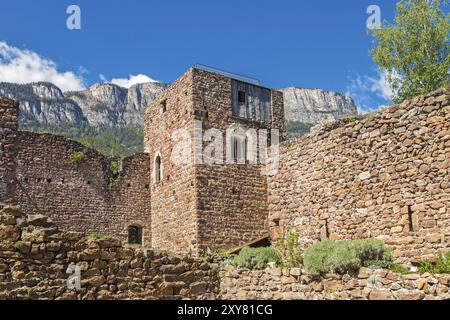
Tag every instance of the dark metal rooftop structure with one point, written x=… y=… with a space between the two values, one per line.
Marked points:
x=229 y=74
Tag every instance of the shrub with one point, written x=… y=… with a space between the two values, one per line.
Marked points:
x=289 y=250
x=115 y=171
x=344 y=256
x=442 y=264
x=77 y=157
x=256 y=258
x=115 y=167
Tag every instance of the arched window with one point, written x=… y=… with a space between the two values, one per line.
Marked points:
x=135 y=235
x=158 y=169
x=242 y=145
x=238 y=149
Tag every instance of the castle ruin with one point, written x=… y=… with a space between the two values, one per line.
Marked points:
x=384 y=176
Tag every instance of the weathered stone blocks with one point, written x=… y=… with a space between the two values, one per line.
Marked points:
x=382 y=176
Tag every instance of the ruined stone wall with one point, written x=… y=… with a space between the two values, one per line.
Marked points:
x=232 y=198
x=173 y=203
x=384 y=176
x=81 y=195
x=8 y=132
x=294 y=284
x=35 y=258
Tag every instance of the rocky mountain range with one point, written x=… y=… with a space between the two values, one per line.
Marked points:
x=313 y=106
x=100 y=105
x=113 y=106
x=109 y=118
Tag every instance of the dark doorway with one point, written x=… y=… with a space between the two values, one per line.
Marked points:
x=135 y=235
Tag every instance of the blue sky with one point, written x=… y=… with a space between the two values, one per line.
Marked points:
x=312 y=44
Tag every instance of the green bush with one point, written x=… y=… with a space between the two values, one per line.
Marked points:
x=289 y=250
x=344 y=256
x=77 y=157
x=256 y=258
x=442 y=264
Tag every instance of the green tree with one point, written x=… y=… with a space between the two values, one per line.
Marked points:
x=415 y=50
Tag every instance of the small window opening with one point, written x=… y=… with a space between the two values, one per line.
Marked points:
x=241 y=97
x=163 y=106
x=235 y=148
x=410 y=219
x=158 y=173
x=147 y=186
x=135 y=235
x=327 y=231
x=49 y=180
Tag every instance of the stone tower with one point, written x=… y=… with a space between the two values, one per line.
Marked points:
x=8 y=133
x=207 y=136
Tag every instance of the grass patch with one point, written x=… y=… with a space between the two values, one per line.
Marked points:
x=385 y=264
x=442 y=264
x=77 y=157
x=351 y=118
x=18 y=245
x=97 y=236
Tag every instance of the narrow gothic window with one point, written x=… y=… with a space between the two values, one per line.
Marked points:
x=135 y=235
x=235 y=146
x=246 y=149
x=410 y=219
x=158 y=170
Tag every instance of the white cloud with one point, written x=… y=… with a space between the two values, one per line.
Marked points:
x=365 y=89
x=381 y=87
x=132 y=80
x=25 y=66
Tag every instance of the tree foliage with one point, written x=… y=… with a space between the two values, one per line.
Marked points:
x=415 y=50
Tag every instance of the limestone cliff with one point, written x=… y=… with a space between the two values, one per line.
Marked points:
x=313 y=106
x=44 y=104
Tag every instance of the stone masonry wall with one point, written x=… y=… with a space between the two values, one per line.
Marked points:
x=384 y=176
x=231 y=198
x=81 y=196
x=35 y=258
x=294 y=284
x=174 y=221
x=8 y=130
x=198 y=206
